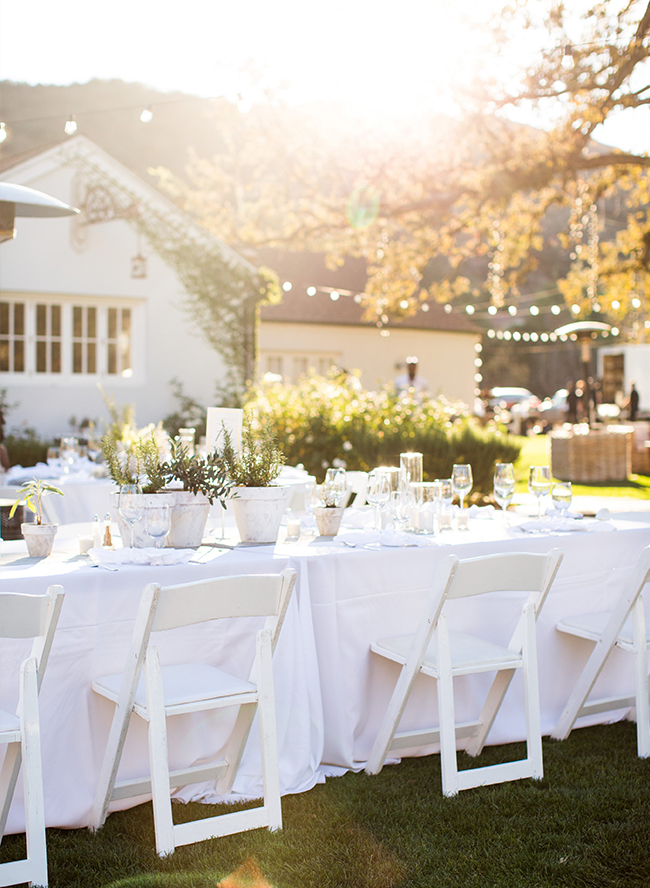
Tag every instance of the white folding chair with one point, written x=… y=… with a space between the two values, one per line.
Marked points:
x=438 y=653
x=27 y=616
x=624 y=627
x=194 y=687
x=358 y=486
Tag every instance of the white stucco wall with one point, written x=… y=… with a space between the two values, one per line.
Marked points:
x=42 y=263
x=446 y=359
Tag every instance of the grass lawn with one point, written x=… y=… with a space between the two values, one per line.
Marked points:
x=584 y=824
x=535 y=453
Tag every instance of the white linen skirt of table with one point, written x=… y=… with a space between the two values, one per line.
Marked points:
x=358 y=597
x=91 y=640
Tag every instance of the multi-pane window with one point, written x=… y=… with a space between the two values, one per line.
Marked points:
x=119 y=341
x=84 y=339
x=300 y=367
x=12 y=337
x=325 y=365
x=48 y=338
x=274 y=364
x=61 y=338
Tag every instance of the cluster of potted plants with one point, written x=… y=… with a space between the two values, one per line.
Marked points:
x=195 y=483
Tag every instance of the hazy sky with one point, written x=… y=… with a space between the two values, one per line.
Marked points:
x=384 y=56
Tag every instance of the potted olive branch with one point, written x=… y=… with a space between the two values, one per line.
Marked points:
x=39 y=536
x=258 y=502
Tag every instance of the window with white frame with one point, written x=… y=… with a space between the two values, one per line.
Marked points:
x=60 y=338
x=274 y=364
x=12 y=337
x=119 y=341
x=48 y=338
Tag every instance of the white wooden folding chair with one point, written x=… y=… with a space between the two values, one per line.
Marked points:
x=27 y=616
x=623 y=627
x=194 y=687
x=436 y=652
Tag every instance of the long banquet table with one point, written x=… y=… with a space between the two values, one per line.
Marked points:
x=331 y=692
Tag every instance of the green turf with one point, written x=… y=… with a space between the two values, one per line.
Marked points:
x=584 y=824
x=535 y=452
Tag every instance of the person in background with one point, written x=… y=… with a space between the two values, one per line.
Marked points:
x=633 y=403
x=571 y=403
x=411 y=379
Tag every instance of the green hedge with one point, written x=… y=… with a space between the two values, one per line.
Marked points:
x=323 y=420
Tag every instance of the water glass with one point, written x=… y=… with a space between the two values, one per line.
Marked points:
x=462 y=481
x=411 y=466
x=157 y=522
x=539 y=484
x=129 y=506
x=561 y=495
x=504 y=485
x=378 y=493
x=399 y=508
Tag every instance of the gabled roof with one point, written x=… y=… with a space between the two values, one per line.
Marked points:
x=81 y=153
x=309 y=270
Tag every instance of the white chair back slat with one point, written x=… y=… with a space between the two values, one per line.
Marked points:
x=509 y=572
x=217 y=599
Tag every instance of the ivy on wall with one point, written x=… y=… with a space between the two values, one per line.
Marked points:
x=224 y=292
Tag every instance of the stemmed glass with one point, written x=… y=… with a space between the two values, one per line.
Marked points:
x=399 y=508
x=539 y=484
x=461 y=481
x=335 y=485
x=129 y=507
x=561 y=495
x=504 y=486
x=157 y=522
x=378 y=493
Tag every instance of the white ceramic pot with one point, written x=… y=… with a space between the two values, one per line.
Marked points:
x=141 y=539
x=189 y=517
x=39 y=538
x=328 y=520
x=258 y=512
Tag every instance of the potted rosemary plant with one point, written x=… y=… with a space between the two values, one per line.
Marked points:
x=39 y=536
x=258 y=502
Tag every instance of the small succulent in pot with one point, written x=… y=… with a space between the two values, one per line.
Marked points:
x=31 y=494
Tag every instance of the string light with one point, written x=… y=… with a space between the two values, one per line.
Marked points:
x=70 y=127
x=568 y=60
x=286 y=286
x=147 y=114
x=3 y=132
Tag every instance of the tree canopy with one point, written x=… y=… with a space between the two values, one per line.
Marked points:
x=468 y=209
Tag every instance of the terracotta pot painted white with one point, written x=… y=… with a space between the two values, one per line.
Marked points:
x=39 y=538
x=141 y=539
x=328 y=520
x=258 y=512
x=189 y=517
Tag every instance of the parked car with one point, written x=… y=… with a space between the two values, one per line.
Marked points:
x=514 y=406
x=554 y=410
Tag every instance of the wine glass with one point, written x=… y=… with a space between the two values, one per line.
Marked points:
x=129 y=507
x=504 y=485
x=335 y=486
x=399 y=508
x=539 y=484
x=378 y=493
x=157 y=522
x=461 y=481
x=561 y=495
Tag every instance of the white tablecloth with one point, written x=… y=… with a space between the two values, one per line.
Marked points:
x=330 y=690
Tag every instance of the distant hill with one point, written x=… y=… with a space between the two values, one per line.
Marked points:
x=108 y=112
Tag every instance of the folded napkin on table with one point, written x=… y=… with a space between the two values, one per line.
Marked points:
x=139 y=556
x=557 y=513
x=17 y=474
x=387 y=537
x=481 y=511
x=561 y=525
x=362 y=518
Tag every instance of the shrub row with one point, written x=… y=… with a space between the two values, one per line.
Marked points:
x=325 y=421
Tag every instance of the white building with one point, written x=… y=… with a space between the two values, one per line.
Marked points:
x=84 y=302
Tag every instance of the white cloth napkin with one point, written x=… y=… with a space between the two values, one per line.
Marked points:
x=139 y=556
x=359 y=518
x=562 y=525
x=481 y=511
x=388 y=537
x=557 y=513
